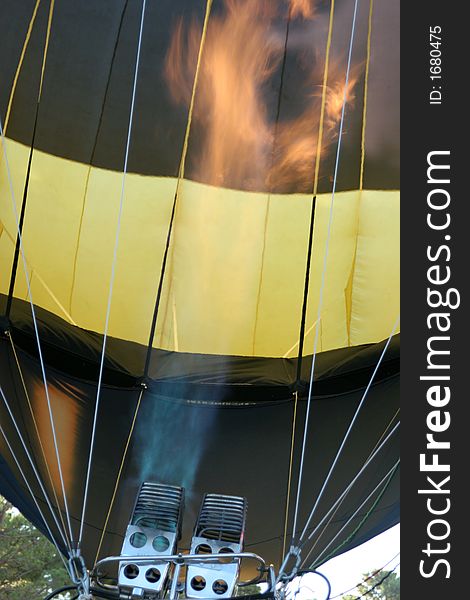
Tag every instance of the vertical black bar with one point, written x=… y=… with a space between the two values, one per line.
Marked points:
x=279 y=97
x=14 y=266
x=434 y=291
x=153 y=325
x=305 y=298
x=18 y=243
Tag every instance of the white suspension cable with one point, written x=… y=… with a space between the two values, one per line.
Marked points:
x=325 y=259
x=295 y=551
x=113 y=270
x=354 y=514
x=36 y=330
x=33 y=466
x=353 y=481
x=351 y=425
x=326 y=525
x=30 y=406
x=54 y=541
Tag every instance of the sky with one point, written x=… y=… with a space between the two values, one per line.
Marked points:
x=345 y=571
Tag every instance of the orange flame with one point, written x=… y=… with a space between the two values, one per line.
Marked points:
x=335 y=96
x=238 y=143
x=302 y=8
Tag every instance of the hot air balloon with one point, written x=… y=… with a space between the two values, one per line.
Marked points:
x=199 y=287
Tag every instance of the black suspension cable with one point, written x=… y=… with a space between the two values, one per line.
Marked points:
x=175 y=199
x=16 y=256
x=269 y=181
x=373 y=574
x=281 y=86
x=14 y=267
x=273 y=150
x=95 y=145
x=386 y=576
x=299 y=362
x=108 y=81
x=305 y=298
x=160 y=288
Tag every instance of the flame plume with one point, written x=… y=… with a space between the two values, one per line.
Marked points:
x=238 y=143
x=302 y=8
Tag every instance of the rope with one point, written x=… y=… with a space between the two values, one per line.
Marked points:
x=92 y=155
x=315 y=188
x=305 y=298
x=20 y=371
x=36 y=330
x=366 y=86
x=121 y=466
x=113 y=270
x=286 y=354
x=33 y=497
x=300 y=343
x=361 y=170
x=289 y=479
x=299 y=366
x=14 y=267
x=178 y=183
x=323 y=278
x=351 y=425
x=389 y=475
x=23 y=206
x=315 y=185
x=353 y=481
x=43 y=490
x=397 y=412
x=327 y=524
x=323 y=98
x=268 y=200
x=20 y=62
x=296 y=551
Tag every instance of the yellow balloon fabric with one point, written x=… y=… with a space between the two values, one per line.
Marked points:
x=235 y=277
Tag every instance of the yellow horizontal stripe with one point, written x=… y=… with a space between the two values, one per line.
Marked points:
x=214 y=271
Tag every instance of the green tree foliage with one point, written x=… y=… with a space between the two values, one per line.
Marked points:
x=248 y=590
x=376 y=589
x=29 y=564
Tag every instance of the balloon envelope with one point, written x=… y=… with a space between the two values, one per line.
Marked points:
x=221 y=366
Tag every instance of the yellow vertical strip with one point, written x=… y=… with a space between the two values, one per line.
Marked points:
x=175 y=327
x=349 y=288
x=289 y=479
x=40 y=279
x=30 y=406
x=315 y=188
x=43 y=67
x=193 y=94
x=20 y=64
x=317 y=164
x=118 y=478
x=366 y=87
x=46 y=46
x=323 y=98
x=184 y=151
